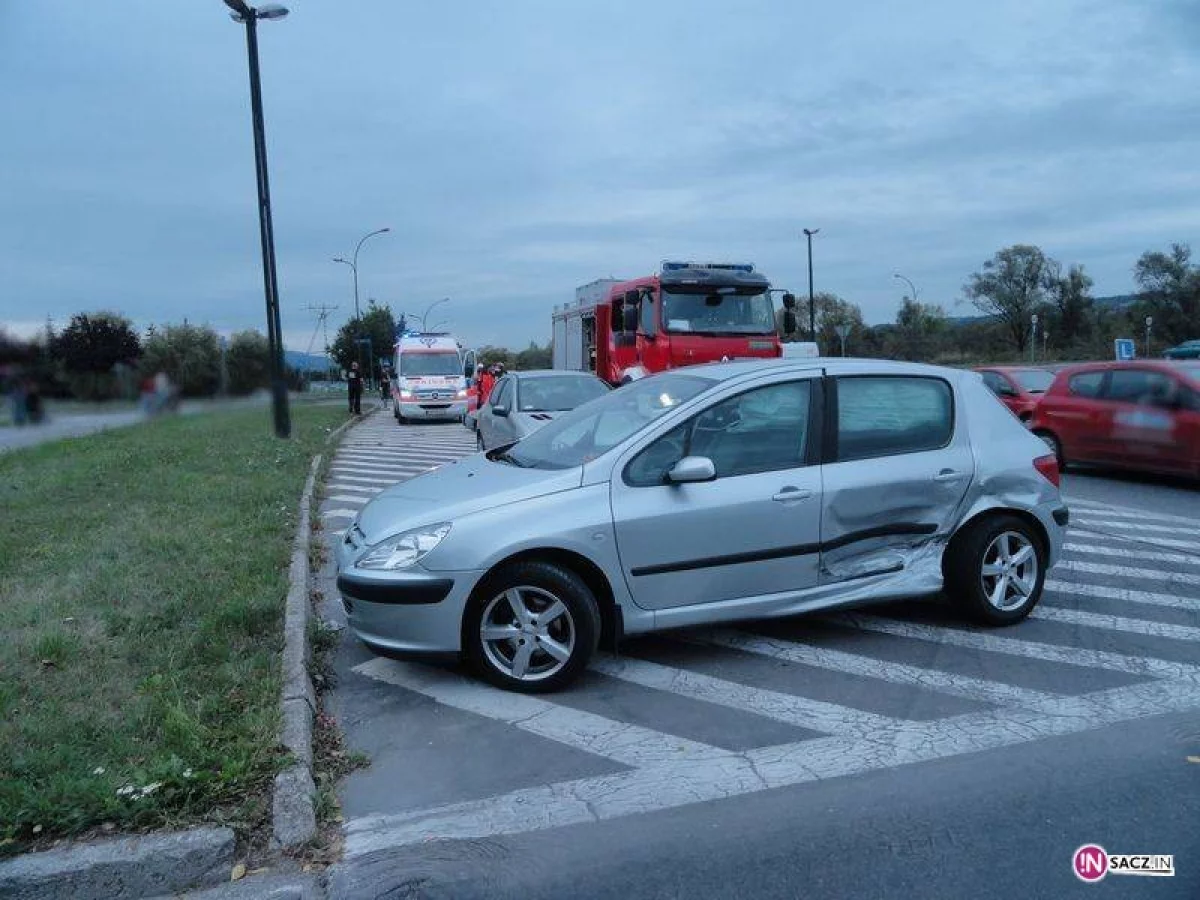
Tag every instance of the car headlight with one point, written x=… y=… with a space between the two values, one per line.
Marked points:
x=405 y=394
x=405 y=549
x=462 y=395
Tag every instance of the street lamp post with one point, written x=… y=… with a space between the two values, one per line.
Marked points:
x=353 y=263
x=812 y=308
x=1033 y=342
x=428 y=310
x=249 y=16
x=912 y=287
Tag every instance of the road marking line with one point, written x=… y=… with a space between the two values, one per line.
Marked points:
x=1117 y=623
x=1155 y=540
x=376 y=470
x=382 y=483
x=1125 y=512
x=1070 y=565
x=347 y=498
x=670 y=785
x=339 y=513
x=1096 y=522
x=1121 y=553
x=974 y=638
x=884 y=670
x=370 y=491
x=622 y=742
x=1129 y=596
x=794 y=710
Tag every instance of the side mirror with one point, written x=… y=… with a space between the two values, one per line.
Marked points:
x=692 y=469
x=789 y=322
x=501 y=411
x=789 y=301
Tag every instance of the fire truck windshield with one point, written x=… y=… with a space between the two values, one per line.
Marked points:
x=414 y=365
x=718 y=313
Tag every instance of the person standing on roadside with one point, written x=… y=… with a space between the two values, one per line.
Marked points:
x=486 y=381
x=354 y=383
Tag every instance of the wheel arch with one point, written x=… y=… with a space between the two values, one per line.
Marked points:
x=992 y=512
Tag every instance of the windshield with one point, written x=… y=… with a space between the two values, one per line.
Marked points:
x=718 y=313
x=414 y=365
x=1035 y=381
x=600 y=424
x=558 y=393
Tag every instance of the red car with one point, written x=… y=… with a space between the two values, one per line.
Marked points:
x=1130 y=415
x=1020 y=387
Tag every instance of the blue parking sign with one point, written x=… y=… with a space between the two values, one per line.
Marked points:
x=1124 y=348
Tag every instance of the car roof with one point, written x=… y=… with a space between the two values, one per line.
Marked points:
x=550 y=373
x=833 y=365
x=1012 y=367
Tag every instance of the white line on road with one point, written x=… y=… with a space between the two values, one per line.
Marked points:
x=622 y=742
x=369 y=491
x=1099 y=522
x=398 y=474
x=670 y=785
x=1071 y=565
x=884 y=670
x=1124 y=512
x=381 y=483
x=790 y=708
x=347 y=498
x=1117 y=623
x=1155 y=540
x=1121 y=553
x=340 y=513
x=1124 y=594
x=985 y=640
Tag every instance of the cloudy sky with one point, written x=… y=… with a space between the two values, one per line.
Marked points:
x=519 y=149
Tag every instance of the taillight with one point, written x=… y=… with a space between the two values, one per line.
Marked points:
x=1047 y=467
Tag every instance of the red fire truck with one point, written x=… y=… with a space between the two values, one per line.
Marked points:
x=686 y=314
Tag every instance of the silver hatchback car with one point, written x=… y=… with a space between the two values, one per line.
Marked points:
x=709 y=494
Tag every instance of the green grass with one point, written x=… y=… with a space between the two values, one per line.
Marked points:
x=142 y=577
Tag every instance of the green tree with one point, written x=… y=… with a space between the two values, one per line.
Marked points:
x=919 y=332
x=1011 y=288
x=378 y=326
x=832 y=312
x=248 y=362
x=190 y=355
x=533 y=357
x=90 y=349
x=1169 y=291
x=489 y=355
x=1069 y=319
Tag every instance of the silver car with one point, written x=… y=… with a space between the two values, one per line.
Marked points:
x=522 y=402
x=709 y=494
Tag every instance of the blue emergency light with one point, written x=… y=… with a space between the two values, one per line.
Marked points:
x=673 y=266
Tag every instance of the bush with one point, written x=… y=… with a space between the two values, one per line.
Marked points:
x=188 y=354
x=248 y=362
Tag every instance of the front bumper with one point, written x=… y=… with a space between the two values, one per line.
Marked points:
x=410 y=612
x=433 y=409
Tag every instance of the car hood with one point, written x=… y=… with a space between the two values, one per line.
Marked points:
x=458 y=489
x=529 y=422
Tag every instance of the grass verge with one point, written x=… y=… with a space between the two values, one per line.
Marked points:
x=142 y=579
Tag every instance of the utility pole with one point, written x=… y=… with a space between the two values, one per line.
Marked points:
x=322 y=312
x=812 y=303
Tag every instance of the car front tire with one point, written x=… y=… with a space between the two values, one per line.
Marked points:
x=531 y=627
x=995 y=569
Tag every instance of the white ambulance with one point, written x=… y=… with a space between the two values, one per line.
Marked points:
x=429 y=377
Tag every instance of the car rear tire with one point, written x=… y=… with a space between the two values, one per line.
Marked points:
x=532 y=627
x=995 y=569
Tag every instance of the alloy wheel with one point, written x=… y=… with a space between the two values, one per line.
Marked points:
x=1009 y=573
x=528 y=634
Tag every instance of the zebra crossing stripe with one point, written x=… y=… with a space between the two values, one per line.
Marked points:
x=1155 y=540
x=982 y=640
x=1121 y=553
x=884 y=670
x=1071 y=565
x=381 y=483
x=369 y=491
x=1125 y=594
x=1099 y=522
x=347 y=498
x=340 y=513
x=1117 y=623
x=621 y=742
x=1090 y=507
x=815 y=715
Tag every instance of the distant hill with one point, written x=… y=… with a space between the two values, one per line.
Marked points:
x=1115 y=302
x=304 y=362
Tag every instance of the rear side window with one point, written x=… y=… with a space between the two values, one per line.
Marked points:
x=500 y=394
x=889 y=415
x=1086 y=384
x=1139 y=386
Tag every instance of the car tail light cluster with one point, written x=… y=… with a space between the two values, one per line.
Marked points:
x=1047 y=467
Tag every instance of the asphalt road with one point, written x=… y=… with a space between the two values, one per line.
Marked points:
x=893 y=752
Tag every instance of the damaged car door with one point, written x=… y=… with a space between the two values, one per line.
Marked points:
x=897 y=466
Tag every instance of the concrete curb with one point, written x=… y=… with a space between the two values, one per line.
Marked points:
x=123 y=868
x=293 y=809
